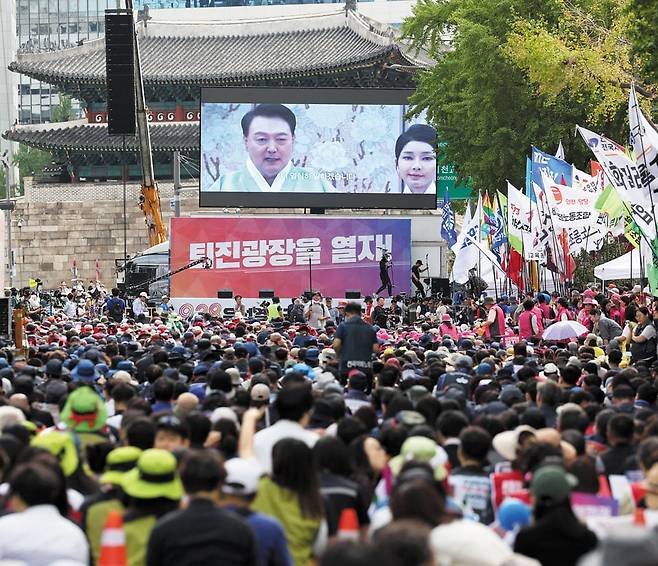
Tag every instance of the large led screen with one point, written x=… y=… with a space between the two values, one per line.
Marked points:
x=322 y=148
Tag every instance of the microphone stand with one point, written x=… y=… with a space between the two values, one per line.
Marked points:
x=390 y=271
x=310 y=273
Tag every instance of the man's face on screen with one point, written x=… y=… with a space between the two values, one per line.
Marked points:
x=269 y=144
x=417 y=166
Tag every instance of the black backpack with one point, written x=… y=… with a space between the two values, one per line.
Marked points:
x=115 y=309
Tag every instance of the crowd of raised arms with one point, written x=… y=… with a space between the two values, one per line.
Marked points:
x=336 y=433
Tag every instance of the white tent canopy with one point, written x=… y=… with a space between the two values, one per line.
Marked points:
x=627 y=266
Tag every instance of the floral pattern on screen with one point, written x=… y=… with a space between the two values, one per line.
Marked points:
x=354 y=145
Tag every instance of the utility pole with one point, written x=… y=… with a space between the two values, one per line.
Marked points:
x=8 y=206
x=177 y=184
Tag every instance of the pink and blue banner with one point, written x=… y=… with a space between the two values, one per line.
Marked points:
x=248 y=254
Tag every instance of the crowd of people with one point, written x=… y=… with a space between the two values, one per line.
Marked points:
x=336 y=433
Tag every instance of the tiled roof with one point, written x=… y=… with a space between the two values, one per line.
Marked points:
x=220 y=54
x=81 y=136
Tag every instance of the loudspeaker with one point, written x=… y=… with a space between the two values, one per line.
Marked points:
x=225 y=294
x=265 y=293
x=440 y=286
x=120 y=70
x=352 y=294
x=5 y=318
x=137 y=281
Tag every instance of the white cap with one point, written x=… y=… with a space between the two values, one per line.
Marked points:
x=143 y=294
x=242 y=476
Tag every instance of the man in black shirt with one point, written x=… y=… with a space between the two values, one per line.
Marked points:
x=415 y=277
x=379 y=314
x=385 y=278
x=203 y=533
x=355 y=341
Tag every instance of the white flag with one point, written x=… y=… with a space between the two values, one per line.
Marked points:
x=466 y=252
x=644 y=141
x=625 y=176
x=569 y=207
x=524 y=224
x=560 y=151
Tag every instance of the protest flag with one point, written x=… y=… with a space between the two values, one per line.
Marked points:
x=448 y=232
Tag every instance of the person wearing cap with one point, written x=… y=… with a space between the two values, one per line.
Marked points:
x=164 y=308
x=85 y=414
x=96 y=508
x=172 y=433
x=238 y=492
x=556 y=536
x=140 y=309
x=154 y=489
x=494 y=325
x=458 y=372
x=447 y=328
x=203 y=532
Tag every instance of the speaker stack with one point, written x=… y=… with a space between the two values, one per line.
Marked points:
x=120 y=69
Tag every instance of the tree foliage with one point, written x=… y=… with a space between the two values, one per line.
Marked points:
x=643 y=26
x=511 y=76
x=31 y=161
x=63 y=112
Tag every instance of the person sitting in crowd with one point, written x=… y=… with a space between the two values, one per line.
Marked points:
x=268 y=442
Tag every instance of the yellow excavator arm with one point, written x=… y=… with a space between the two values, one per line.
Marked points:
x=150 y=197
x=150 y=205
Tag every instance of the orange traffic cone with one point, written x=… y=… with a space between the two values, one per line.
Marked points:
x=113 y=542
x=348 y=525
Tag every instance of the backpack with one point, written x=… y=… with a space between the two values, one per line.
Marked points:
x=297 y=313
x=115 y=309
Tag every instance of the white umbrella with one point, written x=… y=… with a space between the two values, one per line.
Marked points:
x=564 y=330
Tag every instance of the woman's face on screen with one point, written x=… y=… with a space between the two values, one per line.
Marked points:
x=417 y=166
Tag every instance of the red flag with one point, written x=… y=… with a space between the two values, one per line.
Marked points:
x=515 y=268
x=98 y=270
x=74 y=269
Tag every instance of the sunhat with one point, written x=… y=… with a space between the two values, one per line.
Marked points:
x=154 y=476
x=119 y=461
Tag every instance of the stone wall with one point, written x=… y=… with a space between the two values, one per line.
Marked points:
x=54 y=224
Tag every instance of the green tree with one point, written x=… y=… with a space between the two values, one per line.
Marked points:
x=479 y=96
x=642 y=33
x=31 y=161
x=63 y=112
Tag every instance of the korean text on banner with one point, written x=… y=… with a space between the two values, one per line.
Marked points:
x=249 y=254
x=624 y=174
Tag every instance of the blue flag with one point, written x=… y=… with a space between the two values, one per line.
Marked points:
x=499 y=235
x=448 y=232
x=560 y=171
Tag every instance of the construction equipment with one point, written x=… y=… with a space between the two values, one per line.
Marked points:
x=149 y=200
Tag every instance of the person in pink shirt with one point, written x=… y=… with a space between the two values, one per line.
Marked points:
x=563 y=312
x=448 y=328
x=547 y=314
x=583 y=314
x=530 y=324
